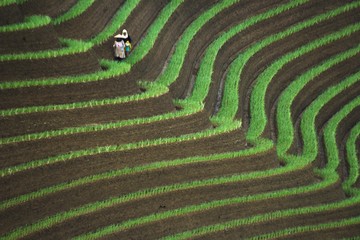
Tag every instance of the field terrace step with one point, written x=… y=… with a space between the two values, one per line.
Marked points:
x=19 y=152
x=235 y=14
x=30 y=40
x=91 y=22
x=251 y=35
x=344 y=232
x=184 y=15
x=136 y=157
x=226 y=213
x=182 y=198
x=258 y=62
x=67 y=65
x=341 y=134
x=274 y=225
x=188 y=197
x=10 y=14
x=128 y=155
x=328 y=78
x=52 y=8
x=114 y=87
x=121 y=85
x=137 y=25
x=52 y=120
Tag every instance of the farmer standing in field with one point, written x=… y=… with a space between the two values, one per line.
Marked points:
x=122 y=45
x=119 y=46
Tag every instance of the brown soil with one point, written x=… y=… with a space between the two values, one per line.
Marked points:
x=52 y=8
x=91 y=23
x=18 y=70
x=42 y=38
x=10 y=14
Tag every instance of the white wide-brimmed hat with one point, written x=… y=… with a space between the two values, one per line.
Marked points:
x=125 y=33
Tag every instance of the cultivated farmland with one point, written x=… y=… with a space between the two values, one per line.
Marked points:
x=230 y=119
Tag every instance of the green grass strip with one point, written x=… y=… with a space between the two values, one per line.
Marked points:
x=257 y=100
x=149 y=192
x=311 y=228
x=112 y=68
x=337 y=89
x=329 y=178
x=286 y=99
x=187 y=110
x=175 y=64
x=265 y=146
x=29 y=23
x=114 y=148
x=153 y=90
x=207 y=65
x=230 y=102
x=353 y=161
x=72 y=47
x=50 y=221
x=111 y=65
x=9 y=2
x=79 y=8
x=196 y=98
x=118 y=20
x=230 y=95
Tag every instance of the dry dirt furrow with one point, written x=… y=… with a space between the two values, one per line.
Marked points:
x=51 y=8
x=120 y=186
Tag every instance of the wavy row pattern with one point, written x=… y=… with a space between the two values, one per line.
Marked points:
x=230 y=119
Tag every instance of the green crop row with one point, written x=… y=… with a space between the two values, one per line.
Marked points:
x=115 y=148
x=311 y=228
x=110 y=65
x=9 y=2
x=112 y=68
x=257 y=100
x=132 y=223
x=30 y=137
x=153 y=90
x=29 y=23
x=118 y=20
x=329 y=178
x=286 y=98
x=173 y=68
x=266 y=146
x=91 y=207
x=187 y=110
x=230 y=95
x=353 y=162
x=72 y=47
x=68 y=156
x=80 y=7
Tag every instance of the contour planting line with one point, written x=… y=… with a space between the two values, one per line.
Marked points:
x=76 y=10
x=231 y=83
x=330 y=176
x=230 y=95
x=265 y=146
x=31 y=22
x=257 y=100
x=55 y=219
x=172 y=213
x=195 y=98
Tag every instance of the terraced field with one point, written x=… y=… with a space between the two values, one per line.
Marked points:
x=231 y=119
